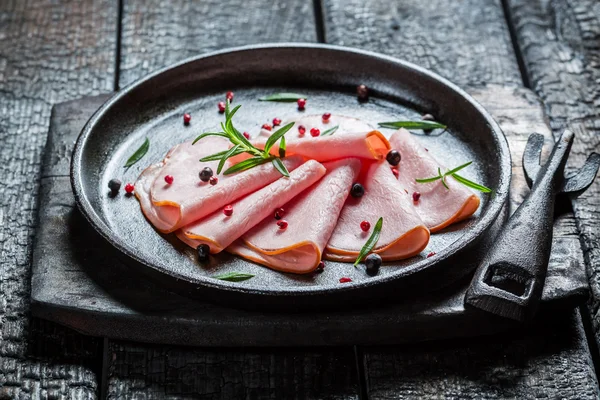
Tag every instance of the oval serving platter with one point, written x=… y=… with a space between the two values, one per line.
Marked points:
x=153 y=107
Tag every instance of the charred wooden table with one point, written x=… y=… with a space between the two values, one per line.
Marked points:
x=57 y=51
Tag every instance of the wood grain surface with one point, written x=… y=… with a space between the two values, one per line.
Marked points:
x=50 y=52
x=157 y=33
x=559 y=41
x=466 y=41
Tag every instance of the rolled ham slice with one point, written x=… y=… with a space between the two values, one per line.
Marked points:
x=403 y=234
x=312 y=216
x=437 y=206
x=219 y=231
x=188 y=199
x=353 y=138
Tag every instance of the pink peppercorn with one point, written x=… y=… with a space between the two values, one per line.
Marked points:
x=365 y=226
x=267 y=127
x=431 y=254
x=276 y=121
x=187 y=118
x=345 y=280
x=229 y=96
x=221 y=107
x=301 y=104
x=314 y=132
x=129 y=188
x=301 y=130
x=416 y=196
x=213 y=180
x=228 y=210
x=326 y=117
x=282 y=224
x=169 y=179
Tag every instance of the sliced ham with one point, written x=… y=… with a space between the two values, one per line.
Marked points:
x=312 y=216
x=219 y=231
x=438 y=207
x=187 y=199
x=353 y=138
x=403 y=234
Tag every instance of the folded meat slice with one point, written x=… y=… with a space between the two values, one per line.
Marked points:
x=353 y=138
x=187 y=199
x=219 y=231
x=437 y=206
x=312 y=216
x=403 y=233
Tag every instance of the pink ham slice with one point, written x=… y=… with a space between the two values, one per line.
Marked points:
x=219 y=231
x=312 y=216
x=187 y=199
x=353 y=138
x=403 y=234
x=438 y=207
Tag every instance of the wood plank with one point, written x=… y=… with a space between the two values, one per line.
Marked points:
x=51 y=52
x=469 y=43
x=552 y=362
x=157 y=33
x=559 y=41
x=157 y=372
x=465 y=41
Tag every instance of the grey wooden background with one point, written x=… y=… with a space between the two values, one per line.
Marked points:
x=59 y=50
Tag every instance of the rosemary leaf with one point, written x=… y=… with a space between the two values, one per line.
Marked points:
x=427 y=180
x=280 y=166
x=425 y=125
x=371 y=242
x=443 y=179
x=139 y=153
x=282 y=147
x=458 y=168
x=247 y=164
x=210 y=134
x=285 y=97
x=276 y=136
x=330 y=131
x=227 y=155
x=472 y=184
x=233 y=277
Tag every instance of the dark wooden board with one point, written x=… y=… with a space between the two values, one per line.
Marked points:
x=90 y=289
x=559 y=43
x=50 y=52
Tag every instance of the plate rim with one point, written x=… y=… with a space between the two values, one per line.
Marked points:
x=484 y=222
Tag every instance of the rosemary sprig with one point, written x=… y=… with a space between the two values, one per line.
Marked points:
x=233 y=277
x=371 y=242
x=243 y=145
x=139 y=153
x=330 y=131
x=425 y=125
x=284 y=97
x=453 y=173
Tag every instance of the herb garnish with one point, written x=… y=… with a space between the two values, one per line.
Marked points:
x=284 y=97
x=453 y=173
x=370 y=242
x=242 y=145
x=139 y=153
x=330 y=131
x=233 y=277
x=425 y=125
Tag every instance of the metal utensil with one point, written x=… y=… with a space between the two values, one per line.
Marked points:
x=510 y=279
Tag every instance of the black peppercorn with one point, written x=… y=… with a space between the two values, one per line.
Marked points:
x=206 y=174
x=357 y=190
x=373 y=262
x=114 y=185
x=393 y=157
x=203 y=252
